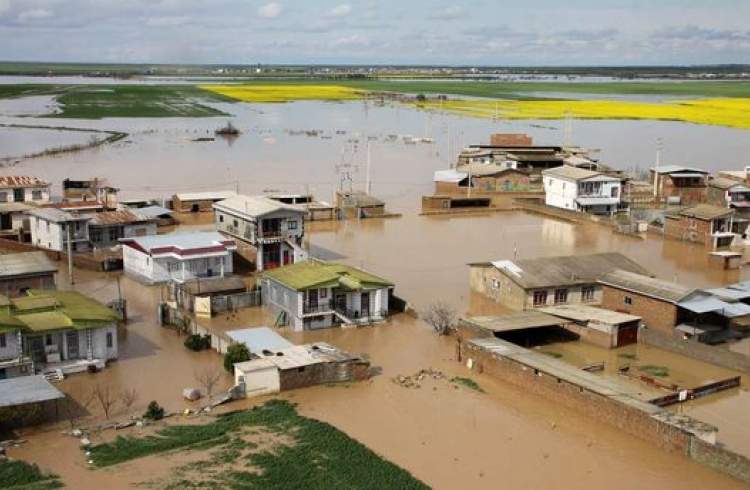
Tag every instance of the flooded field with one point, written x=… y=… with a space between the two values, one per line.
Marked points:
x=448 y=437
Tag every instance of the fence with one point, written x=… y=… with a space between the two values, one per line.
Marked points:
x=232 y=302
x=696 y=350
x=81 y=261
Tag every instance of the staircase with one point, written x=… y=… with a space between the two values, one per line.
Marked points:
x=54 y=376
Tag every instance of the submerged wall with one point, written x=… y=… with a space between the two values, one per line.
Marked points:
x=696 y=350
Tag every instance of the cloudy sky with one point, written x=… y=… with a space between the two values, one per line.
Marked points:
x=494 y=32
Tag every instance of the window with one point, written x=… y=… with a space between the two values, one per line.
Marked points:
x=323 y=294
x=235 y=223
x=540 y=298
x=221 y=218
x=3 y=197
x=109 y=340
x=113 y=235
x=628 y=300
x=48 y=340
x=36 y=195
x=495 y=284
x=561 y=296
x=615 y=191
x=587 y=294
x=3 y=342
x=291 y=225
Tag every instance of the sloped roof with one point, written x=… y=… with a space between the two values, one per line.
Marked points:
x=566 y=270
x=646 y=286
x=56 y=215
x=25 y=263
x=674 y=169
x=256 y=206
x=27 y=389
x=258 y=339
x=317 y=273
x=180 y=242
x=724 y=183
x=587 y=313
x=574 y=173
x=117 y=218
x=703 y=212
x=8 y=181
x=514 y=321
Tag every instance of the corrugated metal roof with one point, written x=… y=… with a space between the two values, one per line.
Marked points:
x=567 y=270
x=451 y=175
x=671 y=169
x=8 y=181
x=724 y=183
x=703 y=212
x=702 y=303
x=258 y=339
x=152 y=211
x=27 y=389
x=56 y=215
x=587 y=313
x=647 y=286
x=205 y=196
x=117 y=218
x=575 y=173
x=597 y=201
x=514 y=321
x=25 y=263
x=256 y=206
x=182 y=240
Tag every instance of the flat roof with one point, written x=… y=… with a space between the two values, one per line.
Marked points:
x=256 y=206
x=27 y=389
x=258 y=339
x=25 y=263
x=545 y=272
x=587 y=313
x=647 y=286
x=56 y=215
x=205 y=196
x=181 y=242
x=673 y=169
x=514 y=321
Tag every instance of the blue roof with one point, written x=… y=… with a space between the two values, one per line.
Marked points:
x=258 y=339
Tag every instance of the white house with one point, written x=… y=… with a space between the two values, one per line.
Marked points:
x=273 y=228
x=316 y=294
x=51 y=227
x=23 y=189
x=177 y=256
x=578 y=189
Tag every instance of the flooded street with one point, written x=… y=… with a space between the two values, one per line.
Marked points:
x=448 y=437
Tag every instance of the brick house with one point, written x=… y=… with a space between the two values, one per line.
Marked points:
x=535 y=283
x=680 y=185
x=488 y=177
x=728 y=193
x=710 y=225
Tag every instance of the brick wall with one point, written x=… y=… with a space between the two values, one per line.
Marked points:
x=655 y=314
x=511 y=139
x=323 y=373
x=696 y=350
x=688 y=229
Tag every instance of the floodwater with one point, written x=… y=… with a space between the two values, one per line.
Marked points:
x=447 y=437
x=17 y=142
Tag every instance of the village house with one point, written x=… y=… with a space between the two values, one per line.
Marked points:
x=14 y=221
x=359 y=204
x=23 y=189
x=728 y=193
x=671 y=308
x=316 y=294
x=28 y=400
x=96 y=189
x=199 y=202
x=547 y=281
x=299 y=366
x=675 y=184
x=177 y=256
x=316 y=210
x=273 y=228
x=578 y=189
x=51 y=228
x=742 y=176
x=488 y=177
x=107 y=228
x=712 y=226
x=22 y=271
x=598 y=326
x=51 y=331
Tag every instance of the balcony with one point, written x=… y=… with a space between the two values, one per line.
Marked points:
x=318 y=308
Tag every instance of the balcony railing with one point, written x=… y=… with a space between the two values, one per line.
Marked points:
x=320 y=307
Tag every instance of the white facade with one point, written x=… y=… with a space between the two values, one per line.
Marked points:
x=23 y=189
x=51 y=233
x=582 y=190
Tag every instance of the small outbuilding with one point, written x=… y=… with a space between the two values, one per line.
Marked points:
x=27 y=399
x=20 y=272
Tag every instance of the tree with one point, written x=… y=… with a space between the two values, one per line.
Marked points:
x=440 y=316
x=154 y=411
x=208 y=378
x=128 y=397
x=235 y=353
x=106 y=398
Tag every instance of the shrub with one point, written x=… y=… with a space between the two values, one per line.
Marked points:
x=235 y=353
x=197 y=342
x=154 y=411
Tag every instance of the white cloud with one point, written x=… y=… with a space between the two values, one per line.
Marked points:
x=270 y=10
x=34 y=14
x=341 y=10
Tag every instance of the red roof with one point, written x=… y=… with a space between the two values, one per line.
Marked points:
x=21 y=181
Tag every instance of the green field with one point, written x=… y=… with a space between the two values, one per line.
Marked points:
x=270 y=446
x=21 y=475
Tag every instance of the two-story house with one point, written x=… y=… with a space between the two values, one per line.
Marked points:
x=675 y=184
x=729 y=193
x=23 y=188
x=316 y=294
x=273 y=228
x=582 y=190
x=51 y=228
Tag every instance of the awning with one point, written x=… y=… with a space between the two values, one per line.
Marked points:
x=597 y=201
x=703 y=304
x=686 y=175
x=689 y=329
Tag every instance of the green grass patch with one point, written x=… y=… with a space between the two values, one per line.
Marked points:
x=468 y=383
x=319 y=457
x=658 y=371
x=22 y=475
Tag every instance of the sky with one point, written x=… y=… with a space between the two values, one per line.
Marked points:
x=469 y=32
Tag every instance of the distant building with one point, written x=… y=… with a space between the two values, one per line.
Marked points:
x=577 y=189
x=316 y=210
x=273 y=228
x=484 y=178
x=51 y=228
x=53 y=330
x=728 y=193
x=177 y=256
x=359 y=204
x=316 y=294
x=23 y=189
x=14 y=221
x=195 y=202
x=712 y=226
x=675 y=184
x=547 y=281
x=107 y=228
x=511 y=139
x=95 y=189
x=20 y=272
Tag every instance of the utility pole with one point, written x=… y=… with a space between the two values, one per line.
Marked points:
x=368 y=185
x=70 y=254
x=656 y=166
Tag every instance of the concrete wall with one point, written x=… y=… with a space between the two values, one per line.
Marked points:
x=12 y=347
x=152 y=270
x=15 y=286
x=655 y=314
x=323 y=373
x=36 y=195
x=692 y=348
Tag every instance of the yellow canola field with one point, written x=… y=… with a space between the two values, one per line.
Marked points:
x=284 y=93
x=731 y=112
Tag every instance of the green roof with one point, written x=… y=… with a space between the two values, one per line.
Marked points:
x=45 y=321
x=317 y=273
x=30 y=303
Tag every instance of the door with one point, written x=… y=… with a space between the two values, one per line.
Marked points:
x=365 y=305
x=19 y=195
x=341 y=302
x=312 y=298
x=73 y=346
x=36 y=349
x=287 y=258
x=627 y=334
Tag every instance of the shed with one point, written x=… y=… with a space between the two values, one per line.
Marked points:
x=25 y=390
x=26 y=270
x=260 y=341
